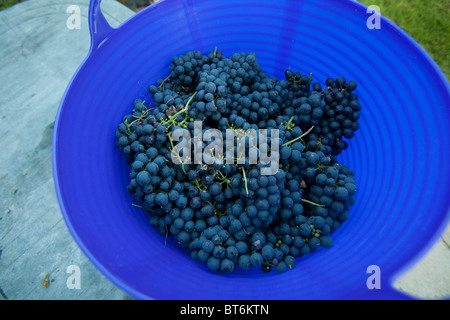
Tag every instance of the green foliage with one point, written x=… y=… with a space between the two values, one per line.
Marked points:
x=8 y=3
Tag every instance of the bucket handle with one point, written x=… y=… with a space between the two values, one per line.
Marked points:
x=99 y=28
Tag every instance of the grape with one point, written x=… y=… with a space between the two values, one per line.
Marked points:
x=183 y=237
x=178 y=223
x=242 y=247
x=229 y=215
x=341 y=193
x=232 y=253
x=305 y=229
x=314 y=243
x=215 y=188
x=318 y=222
x=267 y=252
x=244 y=262
x=326 y=241
x=143 y=178
x=226 y=265
x=162 y=199
x=265 y=268
x=289 y=260
x=219 y=252
x=256 y=259
x=187 y=214
x=208 y=246
x=213 y=263
x=298 y=241
x=280 y=267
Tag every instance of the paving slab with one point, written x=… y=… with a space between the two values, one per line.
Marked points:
x=430 y=277
x=39 y=54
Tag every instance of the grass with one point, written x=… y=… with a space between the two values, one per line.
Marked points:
x=428 y=22
x=8 y=3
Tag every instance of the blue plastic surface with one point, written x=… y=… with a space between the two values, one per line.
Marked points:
x=400 y=154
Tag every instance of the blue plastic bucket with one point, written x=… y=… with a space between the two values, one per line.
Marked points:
x=400 y=154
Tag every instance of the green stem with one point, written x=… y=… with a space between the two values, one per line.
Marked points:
x=313 y=203
x=169 y=135
x=197 y=184
x=320 y=167
x=172 y=118
x=141 y=117
x=162 y=83
x=298 y=138
x=181 y=124
x=222 y=177
x=289 y=124
x=245 y=179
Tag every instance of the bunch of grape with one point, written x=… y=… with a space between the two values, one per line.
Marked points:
x=229 y=215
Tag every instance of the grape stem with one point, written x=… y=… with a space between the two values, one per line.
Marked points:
x=245 y=179
x=185 y=109
x=163 y=82
x=321 y=167
x=289 y=124
x=140 y=118
x=313 y=203
x=298 y=138
x=222 y=177
x=169 y=135
x=197 y=184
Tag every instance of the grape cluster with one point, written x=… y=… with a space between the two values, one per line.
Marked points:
x=229 y=215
